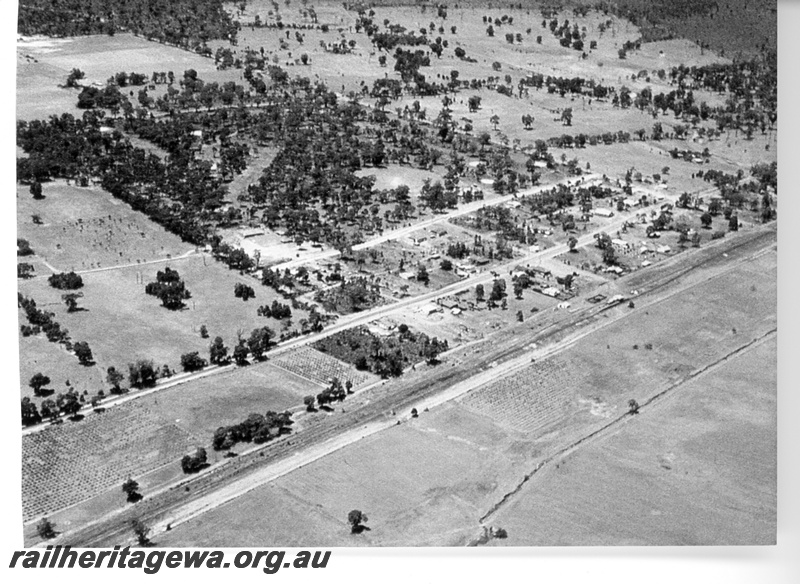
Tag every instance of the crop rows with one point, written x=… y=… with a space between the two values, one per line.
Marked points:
x=527 y=400
x=69 y=463
x=321 y=368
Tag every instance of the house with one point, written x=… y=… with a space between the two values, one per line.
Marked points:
x=481 y=261
x=663 y=249
x=603 y=212
x=551 y=291
x=448 y=303
x=455 y=311
x=534 y=249
x=563 y=305
x=430 y=308
x=252 y=232
x=646 y=263
x=407 y=275
x=621 y=244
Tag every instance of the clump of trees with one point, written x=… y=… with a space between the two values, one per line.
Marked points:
x=356 y=519
x=131 y=490
x=169 y=288
x=277 y=310
x=385 y=356
x=255 y=428
x=243 y=291
x=193 y=463
x=353 y=295
x=192 y=361
x=66 y=281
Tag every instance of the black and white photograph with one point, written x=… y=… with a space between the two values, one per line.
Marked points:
x=395 y=274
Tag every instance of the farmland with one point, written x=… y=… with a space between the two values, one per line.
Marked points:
x=502 y=230
x=467 y=454
x=701 y=469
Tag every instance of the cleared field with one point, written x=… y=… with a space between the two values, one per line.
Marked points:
x=121 y=323
x=221 y=400
x=699 y=469
x=321 y=368
x=45 y=64
x=420 y=484
x=38 y=355
x=86 y=228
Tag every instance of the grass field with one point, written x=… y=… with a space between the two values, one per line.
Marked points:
x=86 y=228
x=122 y=323
x=700 y=469
x=45 y=63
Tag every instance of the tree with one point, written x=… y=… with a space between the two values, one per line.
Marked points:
x=566 y=116
x=422 y=275
x=309 y=401
x=37 y=382
x=479 y=293
x=36 y=190
x=131 y=489
x=66 y=281
x=633 y=406
x=142 y=373
x=24 y=270
x=193 y=361
x=46 y=528
x=83 y=353
x=114 y=378
x=218 y=352
x=494 y=120
x=240 y=354
x=192 y=463
x=474 y=103
x=706 y=219
x=30 y=415
x=733 y=223
x=356 y=519
x=203 y=331
x=259 y=342
x=609 y=255
x=446 y=265
x=140 y=530
x=71 y=300
x=572 y=242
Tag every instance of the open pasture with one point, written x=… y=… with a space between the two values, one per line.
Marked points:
x=228 y=398
x=84 y=228
x=99 y=57
x=698 y=469
x=38 y=355
x=122 y=324
x=419 y=483
x=659 y=344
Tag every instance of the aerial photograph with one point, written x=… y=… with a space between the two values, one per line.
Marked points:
x=398 y=273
